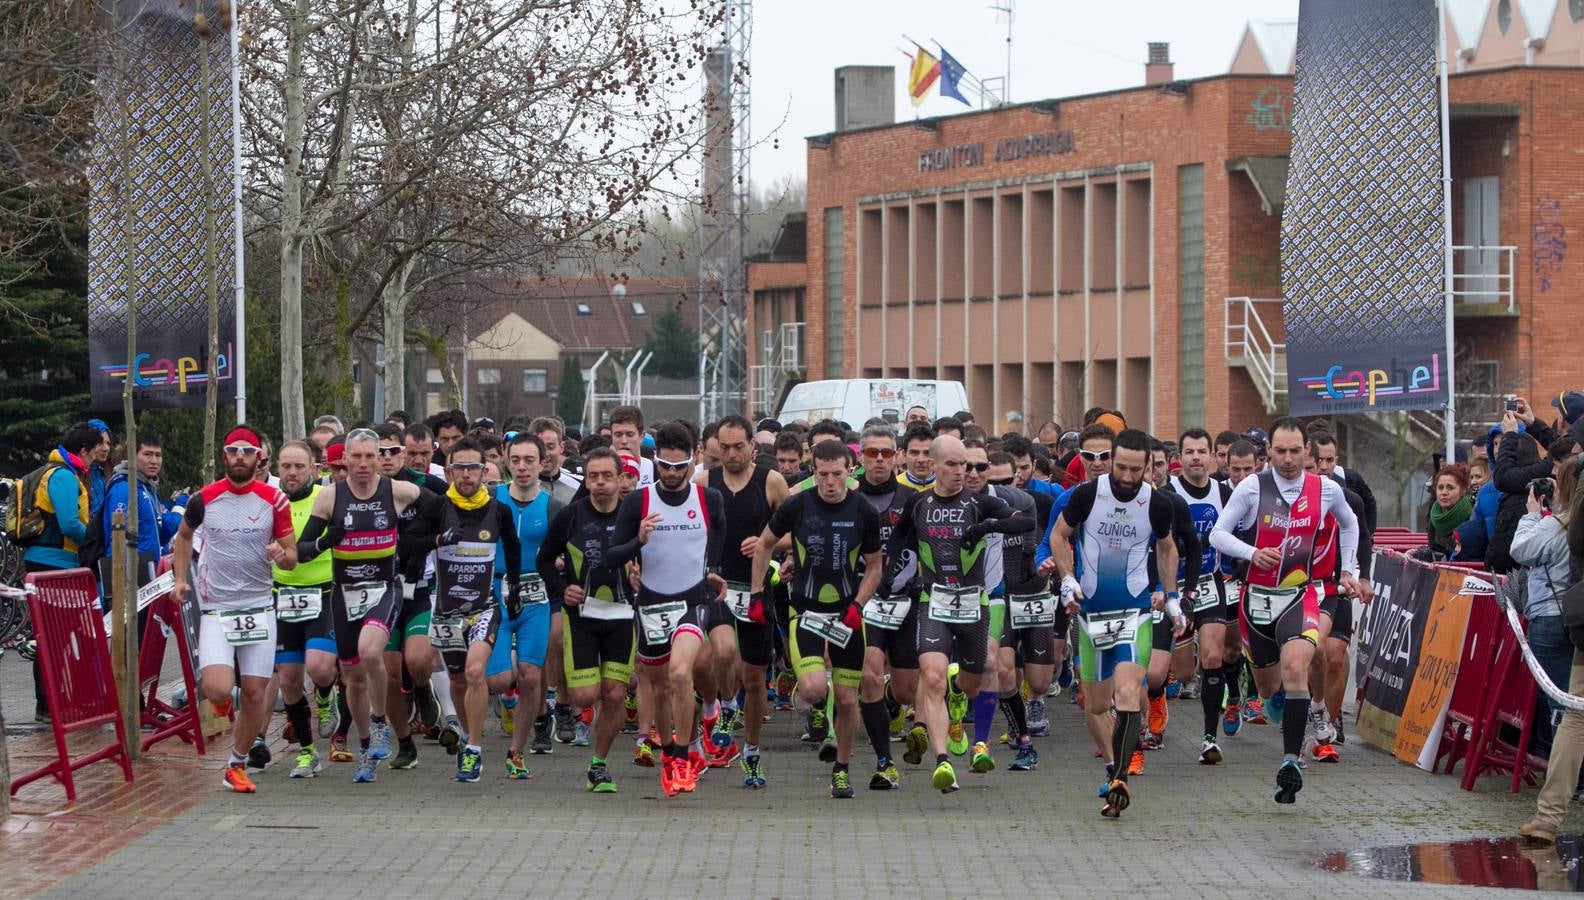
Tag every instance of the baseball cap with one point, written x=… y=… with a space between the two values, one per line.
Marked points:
x=483 y=422
x=335 y=456
x=1571 y=403
x=768 y=424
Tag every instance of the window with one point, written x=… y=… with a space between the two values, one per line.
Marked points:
x=535 y=381
x=433 y=376
x=638 y=308
x=489 y=376
x=1191 y=294
x=583 y=309
x=835 y=332
x=1504 y=15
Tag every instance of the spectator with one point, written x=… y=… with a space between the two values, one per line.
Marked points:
x=1516 y=463
x=1450 y=506
x=1479 y=474
x=1540 y=543
x=156 y=524
x=98 y=460
x=63 y=499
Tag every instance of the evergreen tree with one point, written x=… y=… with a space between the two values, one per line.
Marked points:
x=569 y=403
x=675 y=345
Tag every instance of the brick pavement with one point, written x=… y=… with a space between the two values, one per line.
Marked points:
x=548 y=836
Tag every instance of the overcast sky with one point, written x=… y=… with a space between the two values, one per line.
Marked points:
x=1059 y=48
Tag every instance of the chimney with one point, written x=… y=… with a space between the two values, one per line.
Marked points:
x=1159 y=68
x=865 y=96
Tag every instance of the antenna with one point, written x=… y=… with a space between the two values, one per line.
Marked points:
x=1011 y=13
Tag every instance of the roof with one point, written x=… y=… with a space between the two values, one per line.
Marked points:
x=791 y=240
x=615 y=320
x=1276 y=39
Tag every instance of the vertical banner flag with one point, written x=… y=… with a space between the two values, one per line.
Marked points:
x=921 y=77
x=951 y=72
x=1363 y=237
x=149 y=203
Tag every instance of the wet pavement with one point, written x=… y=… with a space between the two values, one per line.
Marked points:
x=1507 y=862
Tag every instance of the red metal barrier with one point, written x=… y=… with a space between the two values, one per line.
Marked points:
x=1473 y=676
x=167 y=721
x=1509 y=700
x=74 y=661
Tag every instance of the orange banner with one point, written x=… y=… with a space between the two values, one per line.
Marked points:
x=1439 y=653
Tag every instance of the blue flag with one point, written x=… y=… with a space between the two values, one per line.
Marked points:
x=951 y=71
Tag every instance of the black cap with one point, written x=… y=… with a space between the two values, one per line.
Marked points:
x=1571 y=403
x=768 y=424
x=483 y=422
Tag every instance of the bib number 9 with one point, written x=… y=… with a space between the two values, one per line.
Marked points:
x=660 y=620
x=360 y=598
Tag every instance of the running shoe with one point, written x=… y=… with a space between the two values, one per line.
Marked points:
x=945 y=778
x=364 y=773
x=816 y=726
x=580 y=734
x=1253 y=711
x=1341 y=736
x=1151 y=741
x=564 y=732
x=956 y=739
x=451 y=735
x=1110 y=776
x=338 y=749
x=643 y=755
x=1117 y=799
x=379 y=741
x=406 y=755
x=956 y=700
x=1325 y=732
x=886 y=777
x=1275 y=705
x=1190 y=689
x=506 y=711
x=308 y=763
x=982 y=760
x=827 y=750
x=898 y=722
x=1158 y=717
x=669 y=775
x=235 y=778
x=730 y=720
x=630 y=722
x=541 y=736
x=515 y=767
x=428 y=708
x=914 y=744
x=1289 y=781
x=1326 y=753
x=753 y=771
x=721 y=754
x=1174 y=688
x=1233 y=720
x=841 y=786
x=325 y=711
x=1209 y=753
x=469 y=766
x=598 y=780
x=1136 y=764
x=1027 y=759
x=259 y=755
x=1038 y=719
x=688 y=770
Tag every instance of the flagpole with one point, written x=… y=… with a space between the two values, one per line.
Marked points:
x=1446 y=227
x=239 y=350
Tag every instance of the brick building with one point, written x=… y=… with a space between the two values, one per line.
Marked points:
x=1113 y=249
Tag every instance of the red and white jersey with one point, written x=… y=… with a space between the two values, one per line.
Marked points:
x=238 y=524
x=674 y=560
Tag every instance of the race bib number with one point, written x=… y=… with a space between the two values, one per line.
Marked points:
x=954 y=606
x=1206 y=595
x=448 y=633
x=1107 y=629
x=1031 y=610
x=888 y=613
x=247 y=626
x=827 y=626
x=737 y=600
x=298 y=604
x=599 y=608
x=1264 y=606
x=659 y=620
x=362 y=597
x=532 y=591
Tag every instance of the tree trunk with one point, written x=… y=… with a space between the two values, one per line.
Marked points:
x=294 y=423
x=394 y=307
x=345 y=388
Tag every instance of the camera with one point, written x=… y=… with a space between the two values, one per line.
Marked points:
x=1543 y=489
x=1512 y=404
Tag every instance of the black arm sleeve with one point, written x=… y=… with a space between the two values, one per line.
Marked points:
x=1079 y=504
x=998 y=517
x=624 y=541
x=551 y=548
x=418 y=538
x=511 y=543
x=1367 y=512
x=901 y=538
x=786 y=515
x=715 y=509
x=308 y=543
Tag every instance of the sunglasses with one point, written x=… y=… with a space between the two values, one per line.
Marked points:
x=467 y=467
x=240 y=450
x=362 y=434
x=391 y=451
x=878 y=453
x=673 y=466
x=1092 y=456
x=978 y=467
x=1001 y=482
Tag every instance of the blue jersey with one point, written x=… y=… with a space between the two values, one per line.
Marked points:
x=532 y=521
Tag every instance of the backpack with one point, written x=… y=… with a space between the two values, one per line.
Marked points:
x=25 y=521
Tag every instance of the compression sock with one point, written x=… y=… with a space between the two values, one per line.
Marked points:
x=1124 y=738
x=1232 y=676
x=877 y=724
x=343 y=712
x=301 y=722
x=674 y=750
x=984 y=707
x=377 y=719
x=1294 y=718
x=1016 y=715
x=1155 y=693
x=1210 y=697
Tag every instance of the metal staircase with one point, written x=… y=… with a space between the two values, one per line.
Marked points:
x=1255 y=342
x=781 y=350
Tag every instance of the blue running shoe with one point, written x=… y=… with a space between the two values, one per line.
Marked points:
x=1274 y=706
x=364 y=773
x=379 y=741
x=470 y=765
x=1289 y=781
x=1233 y=720
x=1027 y=759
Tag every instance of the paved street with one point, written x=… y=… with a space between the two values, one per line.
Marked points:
x=419 y=833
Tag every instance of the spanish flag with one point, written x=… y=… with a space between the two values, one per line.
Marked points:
x=921 y=77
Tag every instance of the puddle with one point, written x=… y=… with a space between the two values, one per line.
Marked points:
x=1506 y=862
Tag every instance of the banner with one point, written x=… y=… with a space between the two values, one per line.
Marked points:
x=1363 y=234
x=149 y=204
x=1410 y=643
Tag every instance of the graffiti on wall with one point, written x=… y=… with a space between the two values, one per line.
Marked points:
x=1547 y=242
x=1269 y=111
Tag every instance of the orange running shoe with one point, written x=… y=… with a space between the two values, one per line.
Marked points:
x=721 y=755
x=338 y=749
x=236 y=779
x=693 y=766
x=644 y=755
x=669 y=771
x=1326 y=753
x=1136 y=764
x=1158 y=715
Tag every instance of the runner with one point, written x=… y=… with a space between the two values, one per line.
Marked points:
x=1242 y=461
x=948 y=525
x=599 y=612
x=409 y=659
x=832 y=530
x=1328 y=670
x=247 y=535
x=1174 y=636
x=357 y=522
x=750 y=495
x=627 y=434
x=473 y=541
x=1283 y=511
x=676 y=529
x=303 y=639
x=918 y=473
x=563 y=487
x=1115 y=520
x=1206 y=497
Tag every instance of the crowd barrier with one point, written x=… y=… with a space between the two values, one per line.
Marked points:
x=74 y=662
x=169 y=620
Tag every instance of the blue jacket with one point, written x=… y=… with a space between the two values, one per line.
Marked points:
x=97 y=485
x=156 y=525
x=65 y=519
x=1485 y=504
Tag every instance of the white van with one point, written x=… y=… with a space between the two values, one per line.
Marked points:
x=856 y=400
